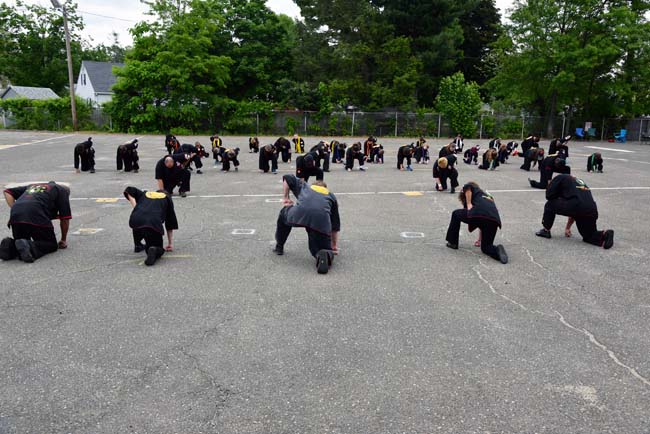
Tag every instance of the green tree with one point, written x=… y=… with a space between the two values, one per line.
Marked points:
x=579 y=53
x=170 y=78
x=32 y=45
x=460 y=102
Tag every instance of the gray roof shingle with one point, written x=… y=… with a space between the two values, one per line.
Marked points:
x=101 y=75
x=31 y=92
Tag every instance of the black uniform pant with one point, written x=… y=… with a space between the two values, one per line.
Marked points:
x=317 y=240
x=452 y=175
x=127 y=160
x=400 y=161
x=585 y=221
x=87 y=160
x=349 y=161
x=42 y=240
x=376 y=156
x=177 y=176
x=286 y=155
x=326 y=163
x=597 y=165
x=264 y=162
x=527 y=163
x=216 y=154
x=151 y=238
x=503 y=156
x=337 y=155
x=225 y=163
x=544 y=178
x=470 y=157
x=310 y=171
x=488 y=231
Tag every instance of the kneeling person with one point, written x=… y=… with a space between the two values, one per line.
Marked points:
x=479 y=211
x=570 y=196
x=595 y=163
x=33 y=207
x=150 y=210
x=317 y=211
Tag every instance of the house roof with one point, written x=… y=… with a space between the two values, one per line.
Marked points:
x=31 y=92
x=101 y=75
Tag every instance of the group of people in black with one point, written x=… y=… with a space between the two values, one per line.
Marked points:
x=34 y=206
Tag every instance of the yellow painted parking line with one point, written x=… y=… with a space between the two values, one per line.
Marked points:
x=412 y=193
x=107 y=199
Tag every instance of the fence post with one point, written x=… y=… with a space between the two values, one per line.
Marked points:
x=305 y=114
x=640 y=128
x=395 y=124
x=480 y=129
x=4 y=120
x=602 y=131
x=352 y=129
x=257 y=116
x=523 y=124
x=563 y=123
x=439 y=120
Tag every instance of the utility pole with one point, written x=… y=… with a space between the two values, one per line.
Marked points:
x=73 y=103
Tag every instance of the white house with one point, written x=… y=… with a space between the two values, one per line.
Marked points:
x=95 y=81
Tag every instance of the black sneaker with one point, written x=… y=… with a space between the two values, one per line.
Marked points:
x=503 y=256
x=608 y=237
x=279 y=250
x=153 y=253
x=544 y=233
x=182 y=193
x=7 y=249
x=92 y=170
x=453 y=190
x=322 y=262
x=452 y=246
x=139 y=248
x=24 y=250
x=198 y=172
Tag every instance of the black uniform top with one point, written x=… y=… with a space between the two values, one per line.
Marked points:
x=38 y=204
x=152 y=209
x=316 y=208
x=527 y=144
x=132 y=145
x=352 y=152
x=85 y=145
x=571 y=188
x=494 y=143
x=226 y=151
x=215 y=141
x=187 y=148
x=320 y=150
x=444 y=152
x=162 y=170
x=438 y=172
x=401 y=151
x=595 y=160
x=483 y=206
x=548 y=165
x=511 y=145
x=282 y=144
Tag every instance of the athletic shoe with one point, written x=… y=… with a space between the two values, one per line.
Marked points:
x=409 y=168
x=24 y=250
x=153 y=253
x=452 y=246
x=92 y=170
x=453 y=190
x=136 y=171
x=322 y=262
x=236 y=169
x=182 y=194
x=608 y=237
x=7 y=249
x=362 y=168
x=198 y=172
x=275 y=172
x=349 y=170
x=139 y=248
x=503 y=256
x=544 y=233
x=279 y=250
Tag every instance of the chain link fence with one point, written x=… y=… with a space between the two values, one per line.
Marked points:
x=380 y=124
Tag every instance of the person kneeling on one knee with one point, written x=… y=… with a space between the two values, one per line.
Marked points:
x=33 y=207
x=317 y=211
x=150 y=210
x=479 y=211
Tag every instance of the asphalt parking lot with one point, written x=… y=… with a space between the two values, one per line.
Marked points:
x=402 y=336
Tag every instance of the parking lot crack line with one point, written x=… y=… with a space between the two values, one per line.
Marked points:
x=604 y=348
x=532 y=259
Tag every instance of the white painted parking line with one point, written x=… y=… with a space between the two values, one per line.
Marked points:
x=411 y=235
x=87 y=231
x=273 y=201
x=3 y=146
x=243 y=232
x=610 y=149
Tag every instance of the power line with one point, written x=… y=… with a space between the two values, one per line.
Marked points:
x=107 y=16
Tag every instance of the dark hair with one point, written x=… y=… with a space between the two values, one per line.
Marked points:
x=461 y=195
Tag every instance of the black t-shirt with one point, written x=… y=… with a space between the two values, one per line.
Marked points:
x=483 y=206
x=162 y=171
x=316 y=208
x=568 y=187
x=38 y=204
x=152 y=209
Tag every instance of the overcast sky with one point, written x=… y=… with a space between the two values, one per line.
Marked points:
x=102 y=17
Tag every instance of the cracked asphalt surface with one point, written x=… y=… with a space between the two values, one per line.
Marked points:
x=402 y=336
